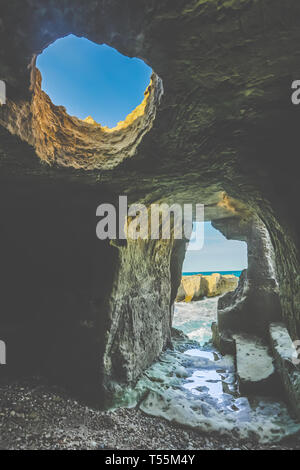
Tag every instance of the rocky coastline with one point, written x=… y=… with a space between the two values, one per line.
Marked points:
x=198 y=286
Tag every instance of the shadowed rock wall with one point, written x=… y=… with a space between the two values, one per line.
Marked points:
x=255 y=304
x=225 y=124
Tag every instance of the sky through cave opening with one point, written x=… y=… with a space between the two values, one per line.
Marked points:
x=217 y=255
x=94 y=80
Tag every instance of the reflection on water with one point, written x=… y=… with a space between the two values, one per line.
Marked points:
x=208 y=380
x=195 y=385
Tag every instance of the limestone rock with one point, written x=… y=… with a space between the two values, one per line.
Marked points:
x=69 y=141
x=218 y=284
x=223 y=125
x=287 y=368
x=250 y=308
x=198 y=286
x=255 y=303
x=255 y=368
x=222 y=340
x=191 y=288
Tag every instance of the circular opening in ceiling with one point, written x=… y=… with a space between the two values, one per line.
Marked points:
x=93 y=82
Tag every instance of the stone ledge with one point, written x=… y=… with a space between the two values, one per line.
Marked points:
x=255 y=365
x=283 y=350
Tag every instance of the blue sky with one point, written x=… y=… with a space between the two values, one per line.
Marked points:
x=217 y=254
x=96 y=80
x=92 y=80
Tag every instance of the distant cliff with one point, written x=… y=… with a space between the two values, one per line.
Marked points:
x=197 y=286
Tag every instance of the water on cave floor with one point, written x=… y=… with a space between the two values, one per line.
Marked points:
x=194 y=385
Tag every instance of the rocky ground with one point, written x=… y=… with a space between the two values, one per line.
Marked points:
x=34 y=415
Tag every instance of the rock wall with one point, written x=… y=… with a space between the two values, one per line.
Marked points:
x=225 y=134
x=87 y=313
x=247 y=324
x=55 y=278
x=68 y=141
x=287 y=364
x=196 y=287
x=255 y=303
x=140 y=318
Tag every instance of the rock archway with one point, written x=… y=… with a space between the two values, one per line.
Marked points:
x=96 y=314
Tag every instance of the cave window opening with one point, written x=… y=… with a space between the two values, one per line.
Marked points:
x=207 y=273
x=93 y=82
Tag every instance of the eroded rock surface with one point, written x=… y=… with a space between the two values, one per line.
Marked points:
x=196 y=287
x=287 y=363
x=255 y=303
x=225 y=134
x=255 y=366
x=68 y=141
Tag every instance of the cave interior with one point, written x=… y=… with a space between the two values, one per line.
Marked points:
x=216 y=127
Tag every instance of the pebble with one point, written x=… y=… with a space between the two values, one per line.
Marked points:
x=42 y=424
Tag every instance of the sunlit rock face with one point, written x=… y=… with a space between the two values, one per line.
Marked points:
x=68 y=141
x=198 y=286
x=224 y=124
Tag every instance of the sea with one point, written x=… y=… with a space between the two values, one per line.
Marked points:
x=208 y=273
